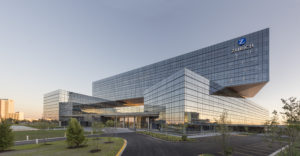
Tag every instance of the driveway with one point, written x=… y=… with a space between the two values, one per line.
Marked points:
x=142 y=145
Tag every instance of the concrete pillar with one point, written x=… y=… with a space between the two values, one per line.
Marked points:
x=148 y=121
x=133 y=122
x=124 y=122
x=115 y=121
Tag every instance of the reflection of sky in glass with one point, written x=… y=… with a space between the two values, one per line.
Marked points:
x=131 y=109
x=192 y=104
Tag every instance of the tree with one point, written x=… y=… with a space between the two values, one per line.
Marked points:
x=291 y=114
x=6 y=135
x=246 y=129
x=224 y=130
x=75 y=134
x=272 y=129
x=97 y=127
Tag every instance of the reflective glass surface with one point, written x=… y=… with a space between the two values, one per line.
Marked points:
x=53 y=99
x=184 y=97
x=217 y=63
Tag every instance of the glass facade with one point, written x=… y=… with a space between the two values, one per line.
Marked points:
x=184 y=98
x=217 y=63
x=190 y=90
x=53 y=99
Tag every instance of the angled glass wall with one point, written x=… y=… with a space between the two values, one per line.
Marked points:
x=228 y=64
x=53 y=99
x=184 y=98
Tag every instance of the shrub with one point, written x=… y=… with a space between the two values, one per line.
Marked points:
x=109 y=123
x=184 y=138
x=6 y=135
x=75 y=134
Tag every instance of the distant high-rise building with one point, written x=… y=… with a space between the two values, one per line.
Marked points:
x=7 y=110
x=6 y=107
x=19 y=115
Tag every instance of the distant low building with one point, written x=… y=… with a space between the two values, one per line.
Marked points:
x=7 y=110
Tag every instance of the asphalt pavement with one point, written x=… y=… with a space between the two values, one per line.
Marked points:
x=142 y=145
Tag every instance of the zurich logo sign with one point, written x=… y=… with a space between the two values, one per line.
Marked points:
x=242 y=41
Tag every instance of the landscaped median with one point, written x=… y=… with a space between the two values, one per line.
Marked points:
x=166 y=137
x=108 y=146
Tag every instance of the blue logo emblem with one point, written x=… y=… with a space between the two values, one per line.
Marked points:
x=242 y=41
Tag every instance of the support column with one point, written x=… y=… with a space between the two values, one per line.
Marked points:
x=148 y=123
x=201 y=129
x=148 y=126
x=115 y=121
x=133 y=122
x=124 y=122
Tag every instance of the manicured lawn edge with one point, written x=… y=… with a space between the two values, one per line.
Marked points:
x=122 y=148
x=279 y=151
x=164 y=137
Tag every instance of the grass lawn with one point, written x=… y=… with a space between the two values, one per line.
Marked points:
x=41 y=125
x=39 y=134
x=295 y=149
x=164 y=136
x=59 y=148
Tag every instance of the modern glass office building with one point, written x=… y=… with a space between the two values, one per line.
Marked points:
x=60 y=102
x=192 y=89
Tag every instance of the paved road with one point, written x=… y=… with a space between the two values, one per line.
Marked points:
x=141 y=145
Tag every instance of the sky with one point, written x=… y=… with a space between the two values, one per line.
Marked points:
x=53 y=44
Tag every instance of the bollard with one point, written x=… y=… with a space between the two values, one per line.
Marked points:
x=36 y=141
x=27 y=137
x=65 y=134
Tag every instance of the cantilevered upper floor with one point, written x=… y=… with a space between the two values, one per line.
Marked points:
x=240 y=64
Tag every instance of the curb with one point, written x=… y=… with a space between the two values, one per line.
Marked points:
x=123 y=148
x=279 y=150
